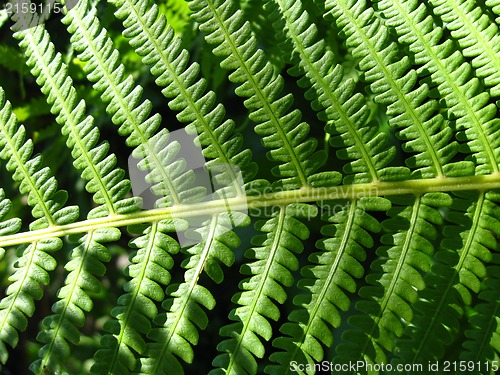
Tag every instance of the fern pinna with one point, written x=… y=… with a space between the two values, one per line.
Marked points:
x=344 y=216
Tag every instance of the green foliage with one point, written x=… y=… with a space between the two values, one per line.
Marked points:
x=352 y=210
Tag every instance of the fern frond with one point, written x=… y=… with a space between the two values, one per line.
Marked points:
x=154 y=40
x=217 y=137
x=468 y=106
x=105 y=181
x=483 y=335
x=402 y=95
x=380 y=327
x=285 y=136
x=393 y=83
x=290 y=147
x=458 y=271
x=280 y=128
x=74 y=301
x=35 y=181
x=34 y=264
x=136 y=309
x=478 y=37
x=105 y=70
x=467 y=103
x=177 y=331
x=387 y=302
x=149 y=273
x=31 y=273
x=274 y=259
x=360 y=141
x=329 y=276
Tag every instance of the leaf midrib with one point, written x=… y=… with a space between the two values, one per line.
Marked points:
x=284 y=198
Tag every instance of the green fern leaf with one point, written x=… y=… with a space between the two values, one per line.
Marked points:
x=122 y=95
x=149 y=271
x=482 y=336
x=281 y=130
x=270 y=272
x=456 y=274
x=47 y=202
x=104 y=181
x=74 y=300
x=329 y=276
x=334 y=100
x=467 y=104
x=495 y=7
x=181 y=83
x=399 y=269
x=178 y=332
x=394 y=284
x=136 y=308
x=349 y=125
x=420 y=126
x=194 y=103
x=476 y=35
